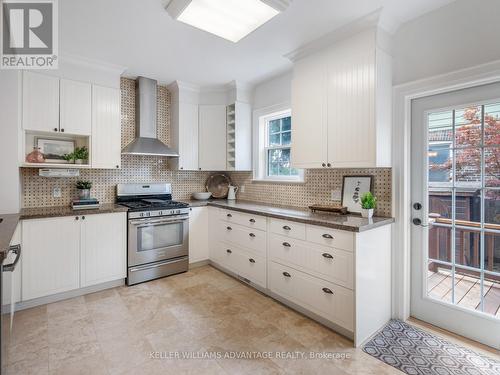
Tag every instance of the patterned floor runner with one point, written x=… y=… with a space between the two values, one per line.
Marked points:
x=417 y=352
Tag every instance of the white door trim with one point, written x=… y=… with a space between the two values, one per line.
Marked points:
x=401 y=201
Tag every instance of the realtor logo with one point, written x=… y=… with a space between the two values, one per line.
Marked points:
x=29 y=34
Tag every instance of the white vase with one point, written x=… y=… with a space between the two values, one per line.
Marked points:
x=367 y=213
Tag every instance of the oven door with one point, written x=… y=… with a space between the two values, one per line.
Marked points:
x=156 y=239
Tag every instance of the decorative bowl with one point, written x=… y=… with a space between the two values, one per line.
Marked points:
x=201 y=196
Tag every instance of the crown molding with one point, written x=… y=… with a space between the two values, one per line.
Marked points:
x=370 y=21
x=66 y=58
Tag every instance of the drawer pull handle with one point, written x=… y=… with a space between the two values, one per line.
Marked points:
x=251 y=235
x=229 y=215
x=229 y=251
x=328 y=256
x=251 y=260
x=252 y=220
x=229 y=228
x=286 y=274
x=286 y=244
x=286 y=227
x=327 y=291
x=329 y=236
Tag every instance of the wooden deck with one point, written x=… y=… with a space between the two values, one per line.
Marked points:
x=467 y=291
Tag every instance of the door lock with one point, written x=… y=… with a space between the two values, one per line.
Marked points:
x=417 y=206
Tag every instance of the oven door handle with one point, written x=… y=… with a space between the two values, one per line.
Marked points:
x=143 y=223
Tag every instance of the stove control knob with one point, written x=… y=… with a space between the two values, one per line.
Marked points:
x=178 y=211
x=160 y=213
x=141 y=214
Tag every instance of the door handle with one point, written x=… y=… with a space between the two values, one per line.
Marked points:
x=286 y=244
x=251 y=260
x=417 y=221
x=251 y=235
x=328 y=256
x=228 y=251
x=252 y=220
x=329 y=236
x=229 y=228
x=327 y=291
x=286 y=274
x=286 y=227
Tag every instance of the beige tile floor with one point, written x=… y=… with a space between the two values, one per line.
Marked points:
x=121 y=330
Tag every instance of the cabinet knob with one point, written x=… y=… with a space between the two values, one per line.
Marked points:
x=329 y=236
x=286 y=227
x=252 y=220
x=251 y=235
x=328 y=165
x=286 y=244
x=286 y=274
x=229 y=215
x=77 y=218
x=55 y=129
x=83 y=217
x=229 y=228
x=328 y=256
x=182 y=168
x=251 y=260
x=117 y=166
x=229 y=251
x=327 y=291
x=62 y=130
x=323 y=165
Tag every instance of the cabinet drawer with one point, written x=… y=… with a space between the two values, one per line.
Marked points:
x=328 y=300
x=251 y=266
x=288 y=228
x=250 y=221
x=330 y=237
x=334 y=265
x=225 y=256
x=239 y=235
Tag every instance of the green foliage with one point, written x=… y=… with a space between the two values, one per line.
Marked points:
x=68 y=157
x=81 y=153
x=368 y=201
x=83 y=185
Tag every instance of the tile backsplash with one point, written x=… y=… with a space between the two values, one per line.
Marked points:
x=37 y=191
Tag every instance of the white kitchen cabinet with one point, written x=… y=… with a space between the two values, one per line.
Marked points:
x=186 y=137
x=239 y=137
x=198 y=234
x=103 y=255
x=50 y=256
x=75 y=107
x=106 y=128
x=11 y=282
x=40 y=102
x=341 y=105
x=212 y=137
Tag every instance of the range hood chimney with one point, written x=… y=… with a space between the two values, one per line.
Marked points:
x=146 y=141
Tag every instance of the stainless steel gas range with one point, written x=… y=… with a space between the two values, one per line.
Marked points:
x=157 y=231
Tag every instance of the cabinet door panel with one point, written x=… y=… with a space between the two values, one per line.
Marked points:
x=76 y=107
x=40 y=102
x=198 y=234
x=212 y=137
x=188 y=137
x=106 y=128
x=51 y=256
x=309 y=130
x=103 y=248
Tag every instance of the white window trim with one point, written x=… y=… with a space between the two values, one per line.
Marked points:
x=260 y=118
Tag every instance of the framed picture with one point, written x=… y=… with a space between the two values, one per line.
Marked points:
x=55 y=149
x=353 y=187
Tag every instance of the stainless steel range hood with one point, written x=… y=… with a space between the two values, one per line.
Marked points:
x=146 y=141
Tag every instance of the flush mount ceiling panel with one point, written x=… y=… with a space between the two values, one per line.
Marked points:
x=228 y=19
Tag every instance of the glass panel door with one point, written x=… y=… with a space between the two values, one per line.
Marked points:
x=463 y=193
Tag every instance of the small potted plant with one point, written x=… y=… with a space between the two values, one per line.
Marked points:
x=69 y=158
x=368 y=204
x=81 y=155
x=83 y=189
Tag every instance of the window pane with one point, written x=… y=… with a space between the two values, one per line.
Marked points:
x=440 y=243
x=468 y=207
x=440 y=127
x=439 y=281
x=492 y=252
x=468 y=127
x=492 y=124
x=468 y=167
x=286 y=124
x=467 y=247
x=274 y=139
x=274 y=126
x=273 y=169
x=440 y=163
x=274 y=156
x=492 y=207
x=286 y=138
x=440 y=204
x=492 y=167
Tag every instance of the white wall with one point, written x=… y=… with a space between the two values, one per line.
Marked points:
x=9 y=123
x=277 y=90
x=460 y=35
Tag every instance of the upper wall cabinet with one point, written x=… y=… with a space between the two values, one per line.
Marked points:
x=341 y=105
x=212 y=138
x=75 y=107
x=40 y=102
x=106 y=128
x=239 y=136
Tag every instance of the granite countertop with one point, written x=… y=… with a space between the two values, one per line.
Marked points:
x=8 y=224
x=44 y=212
x=352 y=223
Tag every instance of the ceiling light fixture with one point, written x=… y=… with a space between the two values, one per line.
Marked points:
x=229 y=19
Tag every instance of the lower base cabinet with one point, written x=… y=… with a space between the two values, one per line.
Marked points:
x=66 y=253
x=198 y=234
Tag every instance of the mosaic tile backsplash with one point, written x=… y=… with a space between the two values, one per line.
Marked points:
x=37 y=191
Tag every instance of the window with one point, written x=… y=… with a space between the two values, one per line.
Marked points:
x=275 y=148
